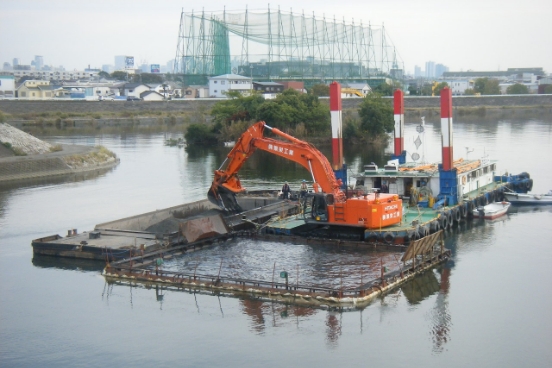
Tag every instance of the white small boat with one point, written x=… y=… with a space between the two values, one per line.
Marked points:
x=492 y=210
x=528 y=198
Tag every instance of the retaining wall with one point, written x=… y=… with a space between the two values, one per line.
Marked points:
x=137 y=107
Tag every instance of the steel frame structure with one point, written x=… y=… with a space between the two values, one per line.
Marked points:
x=276 y=45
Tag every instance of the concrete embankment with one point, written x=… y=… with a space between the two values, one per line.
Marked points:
x=20 y=107
x=71 y=160
x=94 y=114
x=26 y=157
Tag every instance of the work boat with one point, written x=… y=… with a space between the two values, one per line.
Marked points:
x=529 y=198
x=492 y=210
x=431 y=202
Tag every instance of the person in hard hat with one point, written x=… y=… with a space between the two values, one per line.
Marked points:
x=304 y=189
x=286 y=190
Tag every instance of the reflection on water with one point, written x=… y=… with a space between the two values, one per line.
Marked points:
x=61 y=263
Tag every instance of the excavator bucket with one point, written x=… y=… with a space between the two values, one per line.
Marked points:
x=224 y=198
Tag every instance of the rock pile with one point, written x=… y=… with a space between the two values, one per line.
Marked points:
x=22 y=142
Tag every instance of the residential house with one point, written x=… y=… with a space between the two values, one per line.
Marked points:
x=34 y=90
x=220 y=85
x=195 y=91
x=134 y=89
x=151 y=96
x=298 y=86
x=268 y=89
x=164 y=89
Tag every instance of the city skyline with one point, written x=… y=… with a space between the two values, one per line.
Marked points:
x=77 y=35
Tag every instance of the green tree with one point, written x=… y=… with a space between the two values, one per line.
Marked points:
x=104 y=75
x=119 y=75
x=426 y=89
x=237 y=108
x=150 y=78
x=376 y=116
x=200 y=134
x=384 y=89
x=469 y=92
x=437 y=89
x=286 y=111
x=320 y=90
x=548 y=89
x=517 y=89
x=486 y=86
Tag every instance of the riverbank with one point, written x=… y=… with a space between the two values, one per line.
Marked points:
x=175 y=110
x=26 y=157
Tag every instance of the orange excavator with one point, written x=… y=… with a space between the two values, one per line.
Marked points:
x=329 y=203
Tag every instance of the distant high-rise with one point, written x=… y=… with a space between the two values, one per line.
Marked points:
x=38 y=62
x=15 y=62
x=417 y=71
x=7 y=66
x=430 y=69
x=108 y=68
x=120 y=62
x=440 y=69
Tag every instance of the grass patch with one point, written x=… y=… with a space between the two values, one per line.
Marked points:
x=56 y=148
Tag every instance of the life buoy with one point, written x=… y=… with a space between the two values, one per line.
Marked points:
x=464 y=179
x=388 y=237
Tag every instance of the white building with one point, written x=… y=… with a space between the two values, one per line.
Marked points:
x=219 y=85
x=7 y=86
x=363 y=88
x=56 y=75
x=459 y=86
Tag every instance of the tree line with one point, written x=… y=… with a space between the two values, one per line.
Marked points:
x=298 y=114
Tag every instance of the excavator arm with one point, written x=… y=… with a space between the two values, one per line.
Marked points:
x=226 y=182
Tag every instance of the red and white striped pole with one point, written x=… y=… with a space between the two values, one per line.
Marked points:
x=446 y=128
x=337 y=125
x=398 y=103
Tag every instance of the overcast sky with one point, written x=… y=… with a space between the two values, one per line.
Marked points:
x=462 y=34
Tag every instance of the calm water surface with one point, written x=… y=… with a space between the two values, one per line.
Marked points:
x=490 y=306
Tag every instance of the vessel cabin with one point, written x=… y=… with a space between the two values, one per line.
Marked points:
x=423 y=179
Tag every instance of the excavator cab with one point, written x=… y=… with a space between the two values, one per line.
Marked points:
x=319 y=207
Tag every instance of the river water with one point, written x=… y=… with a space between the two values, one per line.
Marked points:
x=490 y=306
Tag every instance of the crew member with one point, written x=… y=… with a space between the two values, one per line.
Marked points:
x=304 y=189
x=286 y=190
